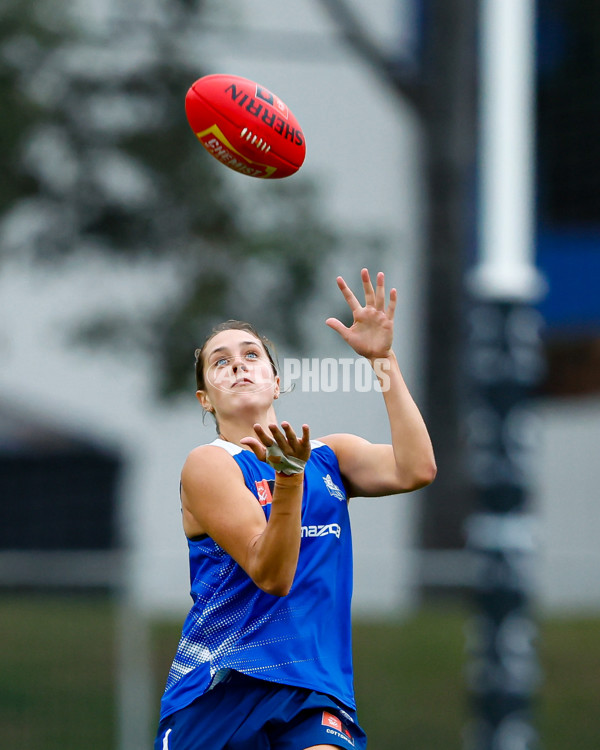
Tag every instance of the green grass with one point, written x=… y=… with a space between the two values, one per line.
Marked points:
x=57 y=673
x=409 y=685
x=58 y=677
x=570 y=695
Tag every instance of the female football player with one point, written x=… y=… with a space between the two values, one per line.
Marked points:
x=264 y=661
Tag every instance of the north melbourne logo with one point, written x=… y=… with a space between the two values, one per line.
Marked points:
x=333 y=489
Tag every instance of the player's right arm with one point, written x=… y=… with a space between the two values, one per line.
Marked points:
x=217 y=502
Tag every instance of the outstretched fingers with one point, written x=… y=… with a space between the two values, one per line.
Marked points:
x=297 y=446
x=353 y=303
x=374 y=297
x=283 y=436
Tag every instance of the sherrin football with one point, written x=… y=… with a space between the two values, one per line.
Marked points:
x=245 y=126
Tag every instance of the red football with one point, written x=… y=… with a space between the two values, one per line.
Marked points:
x=245 y=126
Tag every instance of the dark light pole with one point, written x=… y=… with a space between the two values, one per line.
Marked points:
x=503 y=366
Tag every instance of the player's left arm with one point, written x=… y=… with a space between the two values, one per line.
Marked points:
x=373 y=469
x=408 y=463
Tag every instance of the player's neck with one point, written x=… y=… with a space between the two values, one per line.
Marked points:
x=234 y=430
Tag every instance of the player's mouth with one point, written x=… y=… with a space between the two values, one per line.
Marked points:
x=242 y=381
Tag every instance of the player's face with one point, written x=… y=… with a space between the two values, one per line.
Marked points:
x=236 y=367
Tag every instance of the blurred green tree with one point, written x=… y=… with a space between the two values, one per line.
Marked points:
x=97 y=158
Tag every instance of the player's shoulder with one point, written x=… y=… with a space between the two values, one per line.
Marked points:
x=217 y=456
x=218 y=447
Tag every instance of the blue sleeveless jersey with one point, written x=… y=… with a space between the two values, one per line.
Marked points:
x=302 y=639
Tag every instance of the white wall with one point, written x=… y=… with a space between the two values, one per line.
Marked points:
x=567 y=502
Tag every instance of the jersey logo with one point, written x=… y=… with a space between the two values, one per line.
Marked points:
x=329 y=720
x=332 y=487
x=322 y=530
x=333 y=722
x=263 y=488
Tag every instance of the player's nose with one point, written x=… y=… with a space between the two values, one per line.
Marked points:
x=238 y=364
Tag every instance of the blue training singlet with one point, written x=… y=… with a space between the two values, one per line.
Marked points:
x=302 y=639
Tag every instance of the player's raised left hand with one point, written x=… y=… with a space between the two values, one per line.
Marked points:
x=372 y=330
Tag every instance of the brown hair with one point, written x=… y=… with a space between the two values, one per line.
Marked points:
x=228 y=325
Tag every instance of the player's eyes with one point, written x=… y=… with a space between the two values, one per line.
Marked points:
x=224 y=361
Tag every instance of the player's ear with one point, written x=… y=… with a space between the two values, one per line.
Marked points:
x=204 y=400
x=277 y=389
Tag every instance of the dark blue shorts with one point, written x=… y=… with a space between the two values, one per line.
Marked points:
x=243 y=713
